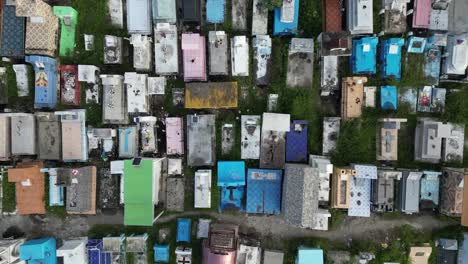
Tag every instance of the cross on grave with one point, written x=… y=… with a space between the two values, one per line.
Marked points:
x=183 y=261
x=385 y=185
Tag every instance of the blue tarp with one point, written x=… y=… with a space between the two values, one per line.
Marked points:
x=183 y=229
x=231 y=180
x=388 y=97
x=363 y=58
x=161 y=253
x=215 y=11
x=296 y=142
x=95 y=253
x=13 y=33
x=390 y=58
x=232 y=198
x=281 y=28
x=41 y=250
x=264 y=191
x=416 y=44
x=231 y=173
x=45 y=81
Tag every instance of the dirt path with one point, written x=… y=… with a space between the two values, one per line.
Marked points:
x=372 y=228
x=375 y=227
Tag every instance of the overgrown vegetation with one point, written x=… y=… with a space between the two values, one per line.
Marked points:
x=92 y=19
x=456 y=107
x=357 y=140
x=395 y=249
x=310 y=18
x=337 y=218
x=9 y=195
x=271 y=4
x=14 y=101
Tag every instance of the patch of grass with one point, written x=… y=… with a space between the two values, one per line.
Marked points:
x=406 y=144
x=94 y=115
x=302 y=104
x=280 y=63
x=255 y=102
x=11 y=80
x=310 y=18
x=412 y=68
x=392 y=215
x=456 y=109
x=130 y=258
x=272 y=4
x=14 y=101
x=337 y=218
x=392 y=253
x=378 y=19
x=446 y=218
x=9 y=194
x=189 y=196
x=93 y=18
x=357 y=140
x=452 y=232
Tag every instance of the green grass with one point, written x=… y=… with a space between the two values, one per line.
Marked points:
x=93 y=19
x=300 y=103
x=456 y=109
x=11 y=81
x=14 y=101
x=272 y=4
x=310 y=18
x=378 y=19
x=412 y=68
x=392 y=215
x=337 y=218
x=93 y=115
x=9 y=194
x=357 y=140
